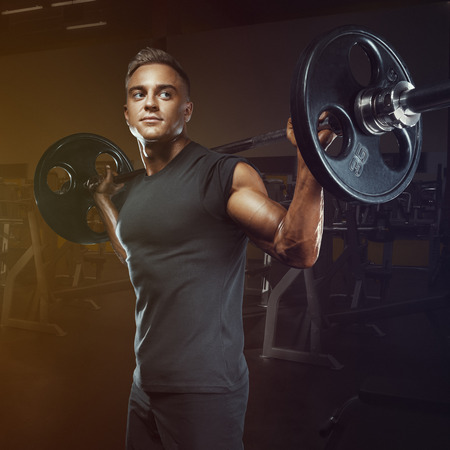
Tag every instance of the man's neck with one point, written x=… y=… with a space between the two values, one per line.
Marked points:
x=156 y=155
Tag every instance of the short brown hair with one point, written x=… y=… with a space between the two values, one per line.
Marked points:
x=151 y=55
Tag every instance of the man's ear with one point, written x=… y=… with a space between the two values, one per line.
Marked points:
x=125 y=113
x=188 y=111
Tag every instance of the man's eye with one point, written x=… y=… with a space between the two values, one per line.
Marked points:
x=138 y=95
x=165 y=94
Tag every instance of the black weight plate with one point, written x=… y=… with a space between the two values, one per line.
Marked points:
x=66 y=211
x=323 y=81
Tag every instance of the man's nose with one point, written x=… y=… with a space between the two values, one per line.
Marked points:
x=151 y=103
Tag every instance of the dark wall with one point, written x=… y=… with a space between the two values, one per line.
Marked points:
x=240 y=78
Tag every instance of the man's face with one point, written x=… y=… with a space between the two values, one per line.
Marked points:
x=157 y=107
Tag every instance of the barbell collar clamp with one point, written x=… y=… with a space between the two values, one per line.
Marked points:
x=379 y=111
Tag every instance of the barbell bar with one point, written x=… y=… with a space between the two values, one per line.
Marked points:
x=231 y=148
x=377 y=112
x=399 y=107
x=360 y=114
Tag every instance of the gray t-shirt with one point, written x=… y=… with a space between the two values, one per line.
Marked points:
x=186 y=260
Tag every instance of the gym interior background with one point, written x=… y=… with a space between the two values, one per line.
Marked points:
x=66 y=354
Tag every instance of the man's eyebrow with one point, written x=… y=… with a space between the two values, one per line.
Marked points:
x=162 y=87
x=136 y=88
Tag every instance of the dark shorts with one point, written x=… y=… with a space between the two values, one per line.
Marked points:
x=165 y=421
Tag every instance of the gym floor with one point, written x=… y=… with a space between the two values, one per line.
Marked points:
x=71 y=392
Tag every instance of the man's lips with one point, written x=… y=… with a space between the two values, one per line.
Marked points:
x=151 y=119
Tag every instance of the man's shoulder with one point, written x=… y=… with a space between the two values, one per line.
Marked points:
x=213 y=156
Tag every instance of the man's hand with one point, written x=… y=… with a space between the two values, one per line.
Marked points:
x=325 y=130
x=102 y=190
x=290 y=132
x=104 y=186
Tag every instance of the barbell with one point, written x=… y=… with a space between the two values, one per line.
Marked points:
x=358 y=168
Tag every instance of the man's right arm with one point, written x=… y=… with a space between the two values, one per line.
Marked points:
x=102 y=195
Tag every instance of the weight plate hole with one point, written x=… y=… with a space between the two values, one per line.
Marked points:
x=59 y=180
x=335 y=148
x=94 y=221
x=360 y=65
x=390 y=151
x=103 y=160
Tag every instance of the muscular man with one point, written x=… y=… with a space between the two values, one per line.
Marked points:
x=183 y=231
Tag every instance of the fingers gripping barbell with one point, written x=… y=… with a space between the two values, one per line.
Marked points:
x=322 y=81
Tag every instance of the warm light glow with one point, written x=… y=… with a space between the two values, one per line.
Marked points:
x=86 y=25
x=73 y=2
x=21 y=10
